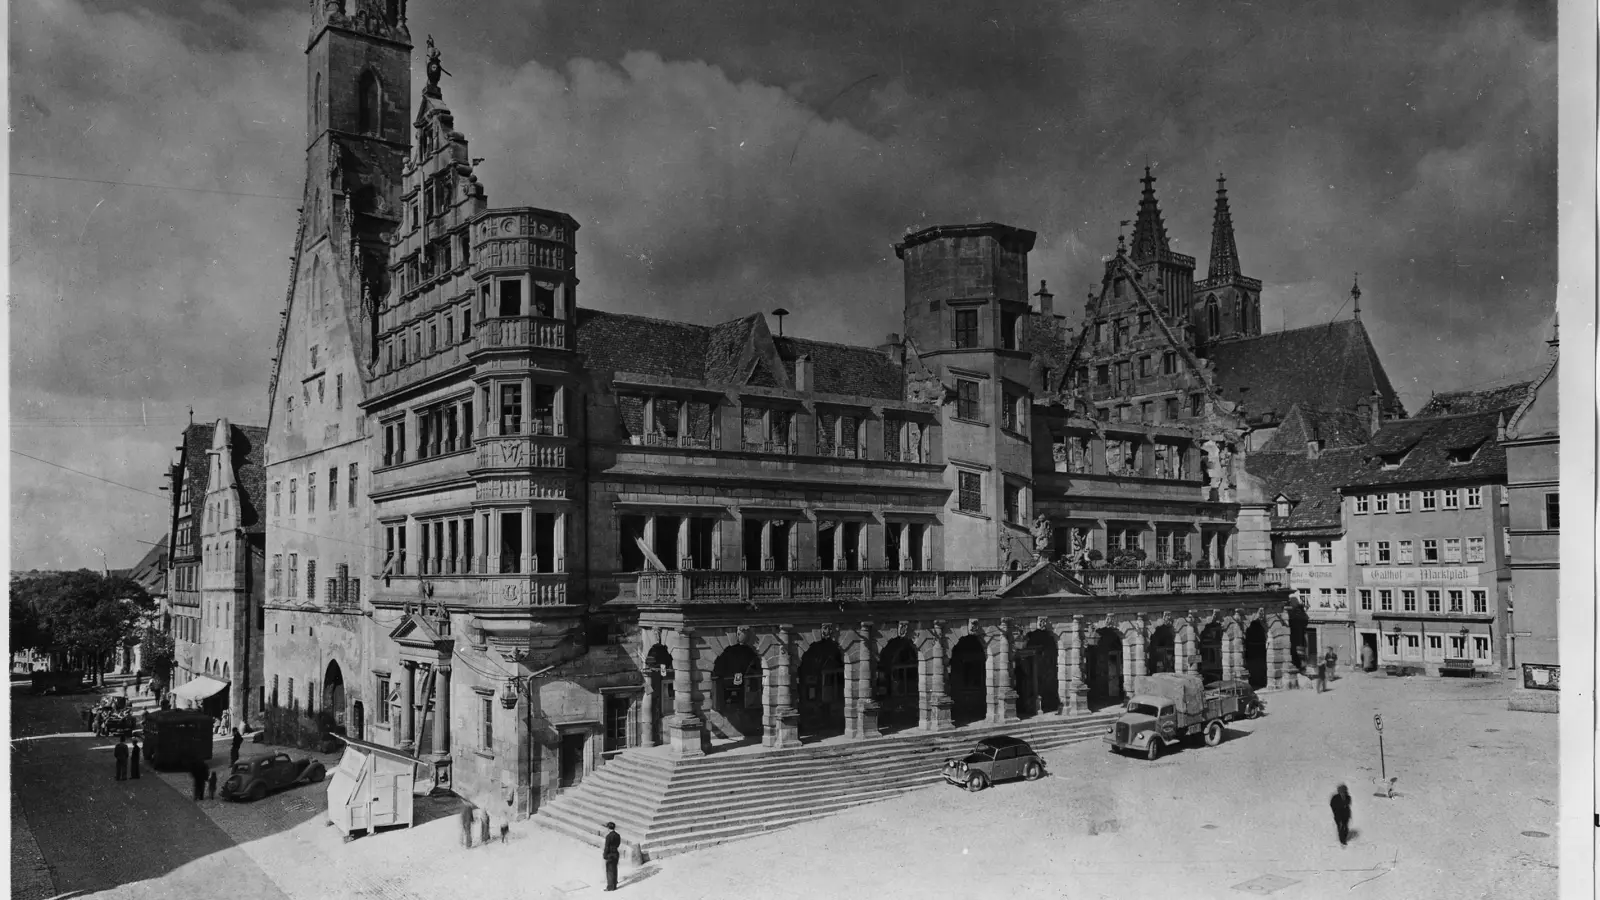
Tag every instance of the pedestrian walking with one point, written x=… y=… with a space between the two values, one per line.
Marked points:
x=197 y=773
x=211 y=785
x=466 y=826
x=505 y=831
x=1329 y=659
x=611 y=854
x=233 y=749
x=121 y=753
x=133 y=759
x=483 y=826
x=1341 y=813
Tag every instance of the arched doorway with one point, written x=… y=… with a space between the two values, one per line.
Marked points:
x=736 y=686
x=1160 y=655
x=1255 y=654
x=821 y=694
x=1211 y=653
x=1105 y=669
x=658 y=668
x=969 y=695
x=333 y=692
x=1033 y=675
x=895 y=686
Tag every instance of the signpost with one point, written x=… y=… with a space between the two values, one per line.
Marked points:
x=1383 y=769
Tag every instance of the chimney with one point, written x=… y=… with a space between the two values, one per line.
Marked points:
x=894 y=348
x=1374 y=413
x=802 y=372
x=1046 y=300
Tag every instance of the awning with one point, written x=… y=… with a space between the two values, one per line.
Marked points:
x=200 y=688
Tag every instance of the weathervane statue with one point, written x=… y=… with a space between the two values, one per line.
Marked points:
x=435 y=69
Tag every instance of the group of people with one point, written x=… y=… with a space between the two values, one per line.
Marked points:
x=1325 y=667
x=127 y=756
x=472 y=815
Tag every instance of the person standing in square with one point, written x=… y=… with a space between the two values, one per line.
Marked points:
x=121 y=753
x=233 y=749
x=1341 y=813
x=611 y=854
x=133 y=759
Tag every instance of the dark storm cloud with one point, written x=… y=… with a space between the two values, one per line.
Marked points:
x=724 y=160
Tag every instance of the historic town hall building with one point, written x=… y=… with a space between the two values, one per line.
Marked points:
x=545 y=535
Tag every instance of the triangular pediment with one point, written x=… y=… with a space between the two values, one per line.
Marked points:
x=417 y=632
x=1045 y=579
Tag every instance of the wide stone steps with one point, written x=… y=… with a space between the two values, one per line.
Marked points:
x=671 y=806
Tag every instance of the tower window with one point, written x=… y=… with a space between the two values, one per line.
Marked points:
x=369 y=104
x=966 y=328
x=1213 y=317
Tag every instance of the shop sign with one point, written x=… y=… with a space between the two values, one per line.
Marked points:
x=1387 y=575
x=1310 y=574
x=1540 y=677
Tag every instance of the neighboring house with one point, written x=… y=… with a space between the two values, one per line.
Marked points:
x=187 y=478
x=1426 y=519
x=1533 y=480
x=149 y=573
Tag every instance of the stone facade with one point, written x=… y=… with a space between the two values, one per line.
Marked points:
x=1533 y=486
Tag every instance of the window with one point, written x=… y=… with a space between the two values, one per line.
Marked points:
x=1305 y=554
x=1430 y=501
x=1402 y=502
x=294 y=488
x=354 y=474
x=967 y=400
x=1455 y=601
x=486 y=720
x=510 y=297
x=1325 y=552
x=1008 y=331
x=1341 y=598
x=1393 y=643
x=1480 y=647
x=1552 y=512
x=1145 y=367
x=1408 y=600
x=311 y=579
x=294 y=575
x=1197 y=404
x=965 y=335
x=1102 y=374
x=1452 y=499
x=1405 y=557
x=1458 y=646
x=544 y=300
x=1480 y=601
x=1014 y=510
x=277 y=498
x=369 y=118
x=1381 y=503
x=1173 y=410
x=1008 y=413
x=1475 y=550
x=277 y=574
x=1147 y=411
x=1474 y=498
x=466 y=324
x=1383 y=551
x=1452 y=550
x=1144 y=323
x=970 y=492
x=1433 y=601
x=1361 y=505
x=510 y=409
x=1366 y=600
x=333 y=489
x=1386 y=600
x=1169 y=363
x=1363 y=553
x=1325 y=598
x=1430 y=550
x=511 y=543
x=383 y=691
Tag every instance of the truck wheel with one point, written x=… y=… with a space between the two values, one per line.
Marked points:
x=1255 y=712
x=977 y=782
x=1032 y=771
x=1214 y=733
x=1152 y=750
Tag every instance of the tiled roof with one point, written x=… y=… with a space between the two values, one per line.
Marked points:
x=1335 y=428
x=1332 y=366
x=1312 y=485
x=1455 y=403
x=1427 y=444
x=151 y=571
x=712 y=354
x=196 y=441
x=250 y=473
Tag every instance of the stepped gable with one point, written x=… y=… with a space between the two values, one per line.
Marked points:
x=728 y=354
x=1332 y=366
x=1452 y=403
x=1333 y=427
x=1311 y=485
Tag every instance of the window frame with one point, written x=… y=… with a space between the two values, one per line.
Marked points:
x=1363 y=553
x=1452 y=499
x=1402 y=502
x=969 y=485
x=1362 y=504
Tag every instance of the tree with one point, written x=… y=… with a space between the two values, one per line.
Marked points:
x=86 y=614
x=28 y=630
x=157 y=656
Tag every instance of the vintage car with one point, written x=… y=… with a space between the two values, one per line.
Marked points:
x=252 y=779
x=994 y=759
x=1251 y=706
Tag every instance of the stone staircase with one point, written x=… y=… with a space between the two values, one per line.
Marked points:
x=670 y=806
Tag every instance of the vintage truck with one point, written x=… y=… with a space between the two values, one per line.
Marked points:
x=1169 y=707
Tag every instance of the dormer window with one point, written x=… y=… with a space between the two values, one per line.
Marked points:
x=1313 y=449
x=1463 y=455
x=1283 y=508
x=1393 y=460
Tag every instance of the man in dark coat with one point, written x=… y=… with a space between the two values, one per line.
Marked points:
x=121 y=753
x=233 y=749
x=466 y=826
x=611 y=854
x=483 y=827
x=198 y=772
x=1341 y=813
x=133 y=759
x=211 y=784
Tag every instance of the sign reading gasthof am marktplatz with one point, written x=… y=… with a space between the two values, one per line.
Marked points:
x=1419 y=575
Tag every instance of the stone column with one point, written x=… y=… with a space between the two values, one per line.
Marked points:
x=783 y=719
x=768 y=562
x=647 y=711
x=1230 y=643
x=1132 y=660
x=408 y=706
x=1075 y=691
x=441 y=711
x=685 y=557
x=1277 y=644
x=685 y=729
x=936 y=703
x=1065 y=640
x=863 y=721
x=1004 y=696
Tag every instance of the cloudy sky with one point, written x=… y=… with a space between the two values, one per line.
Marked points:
x=725 y=157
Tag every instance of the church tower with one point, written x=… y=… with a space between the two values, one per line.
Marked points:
x=1152 y=254
x=1230 y=303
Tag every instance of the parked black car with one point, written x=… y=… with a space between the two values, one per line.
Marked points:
x=252 y=779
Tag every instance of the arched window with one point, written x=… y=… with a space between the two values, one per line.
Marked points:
x=370 y=95
x=1238 y=315
x=316 y=105
x=1213 y=317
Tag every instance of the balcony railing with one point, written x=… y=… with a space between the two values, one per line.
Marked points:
x=1181 y=581
x=540 y=589
x=812 y=585
x=524 y=331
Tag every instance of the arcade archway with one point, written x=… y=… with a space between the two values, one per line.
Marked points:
x=1104 y=661
x=1255 y=654
x=1160 y=655
x=736 y=682
x=333 y=692
x=1034 y=675
x=895 y=687
x=658 y=668
x=821 y=694
x=969 y=661
x=1211 y=653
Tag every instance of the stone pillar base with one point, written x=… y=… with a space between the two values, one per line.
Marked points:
x=1076 y=701
x=864 y=724
x=784 y=731
x=1006 y=709
x=939 y=715
x=686 y=735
